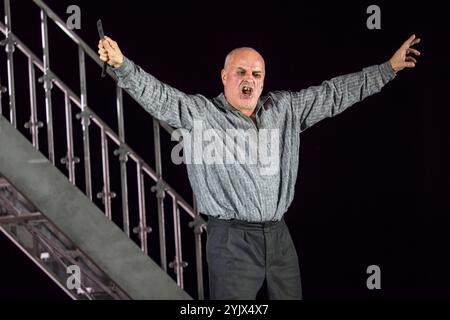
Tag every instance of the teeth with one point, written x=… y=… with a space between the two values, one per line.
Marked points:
x=247 y=90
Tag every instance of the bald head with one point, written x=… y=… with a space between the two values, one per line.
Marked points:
x=243 y=78
x=242 y=51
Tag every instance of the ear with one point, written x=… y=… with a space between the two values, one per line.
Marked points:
x=223 y=75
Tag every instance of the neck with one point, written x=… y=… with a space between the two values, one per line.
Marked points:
x=247 y=112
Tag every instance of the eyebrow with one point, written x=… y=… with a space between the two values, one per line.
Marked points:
x=255 y=71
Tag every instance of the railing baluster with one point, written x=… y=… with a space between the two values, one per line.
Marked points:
x=9 y=48
x=198 y=250
x=178 y=264
x=120 y=116
x=142 y=229
x=160 y=193
x=85 y=121
x=123 y=158
x=47 y=80
x=33 y=124
x=2 y=90
x=106 y=193
x=69 y=160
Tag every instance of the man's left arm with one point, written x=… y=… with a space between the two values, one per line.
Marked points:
x=334 y=96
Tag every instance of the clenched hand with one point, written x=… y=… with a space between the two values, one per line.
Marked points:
x=109 y=51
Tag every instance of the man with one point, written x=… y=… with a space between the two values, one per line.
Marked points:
x=248 y=240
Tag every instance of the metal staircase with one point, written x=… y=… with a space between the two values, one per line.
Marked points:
x=54 y=221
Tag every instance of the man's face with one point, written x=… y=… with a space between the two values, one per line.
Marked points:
x=243 y=79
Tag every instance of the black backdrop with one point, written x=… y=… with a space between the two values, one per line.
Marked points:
x=373 y=182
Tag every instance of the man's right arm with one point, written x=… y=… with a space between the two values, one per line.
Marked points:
x=159 y=99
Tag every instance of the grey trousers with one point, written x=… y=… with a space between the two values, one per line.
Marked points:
x=240 y=255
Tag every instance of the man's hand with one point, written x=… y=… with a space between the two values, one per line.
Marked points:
x=402 y=58
x=109 y=51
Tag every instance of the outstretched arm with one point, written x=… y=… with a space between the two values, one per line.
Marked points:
x=334 y=96
x=159 y=99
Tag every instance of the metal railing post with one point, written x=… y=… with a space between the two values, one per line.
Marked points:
x=69 y=160
x=142 y=229
x=178 y=264
x=160 y=194
x=123 y=158
x=46 y=79
x=9 y=48
x=33 y=124
x=106 y=195
x=2 y=90
x=197 y=226
x=85 y=122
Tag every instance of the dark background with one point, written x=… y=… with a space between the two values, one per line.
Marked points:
x=373 y=183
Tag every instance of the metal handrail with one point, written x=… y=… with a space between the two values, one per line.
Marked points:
x=124 y=151
x=61 y=24
x=111 y=134
x=84 y=46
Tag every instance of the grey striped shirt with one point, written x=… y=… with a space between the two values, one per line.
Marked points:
x=241 y=191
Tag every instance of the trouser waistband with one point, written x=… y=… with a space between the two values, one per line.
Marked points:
x=245 y=224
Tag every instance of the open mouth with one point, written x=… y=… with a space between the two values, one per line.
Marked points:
x=247 y=91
